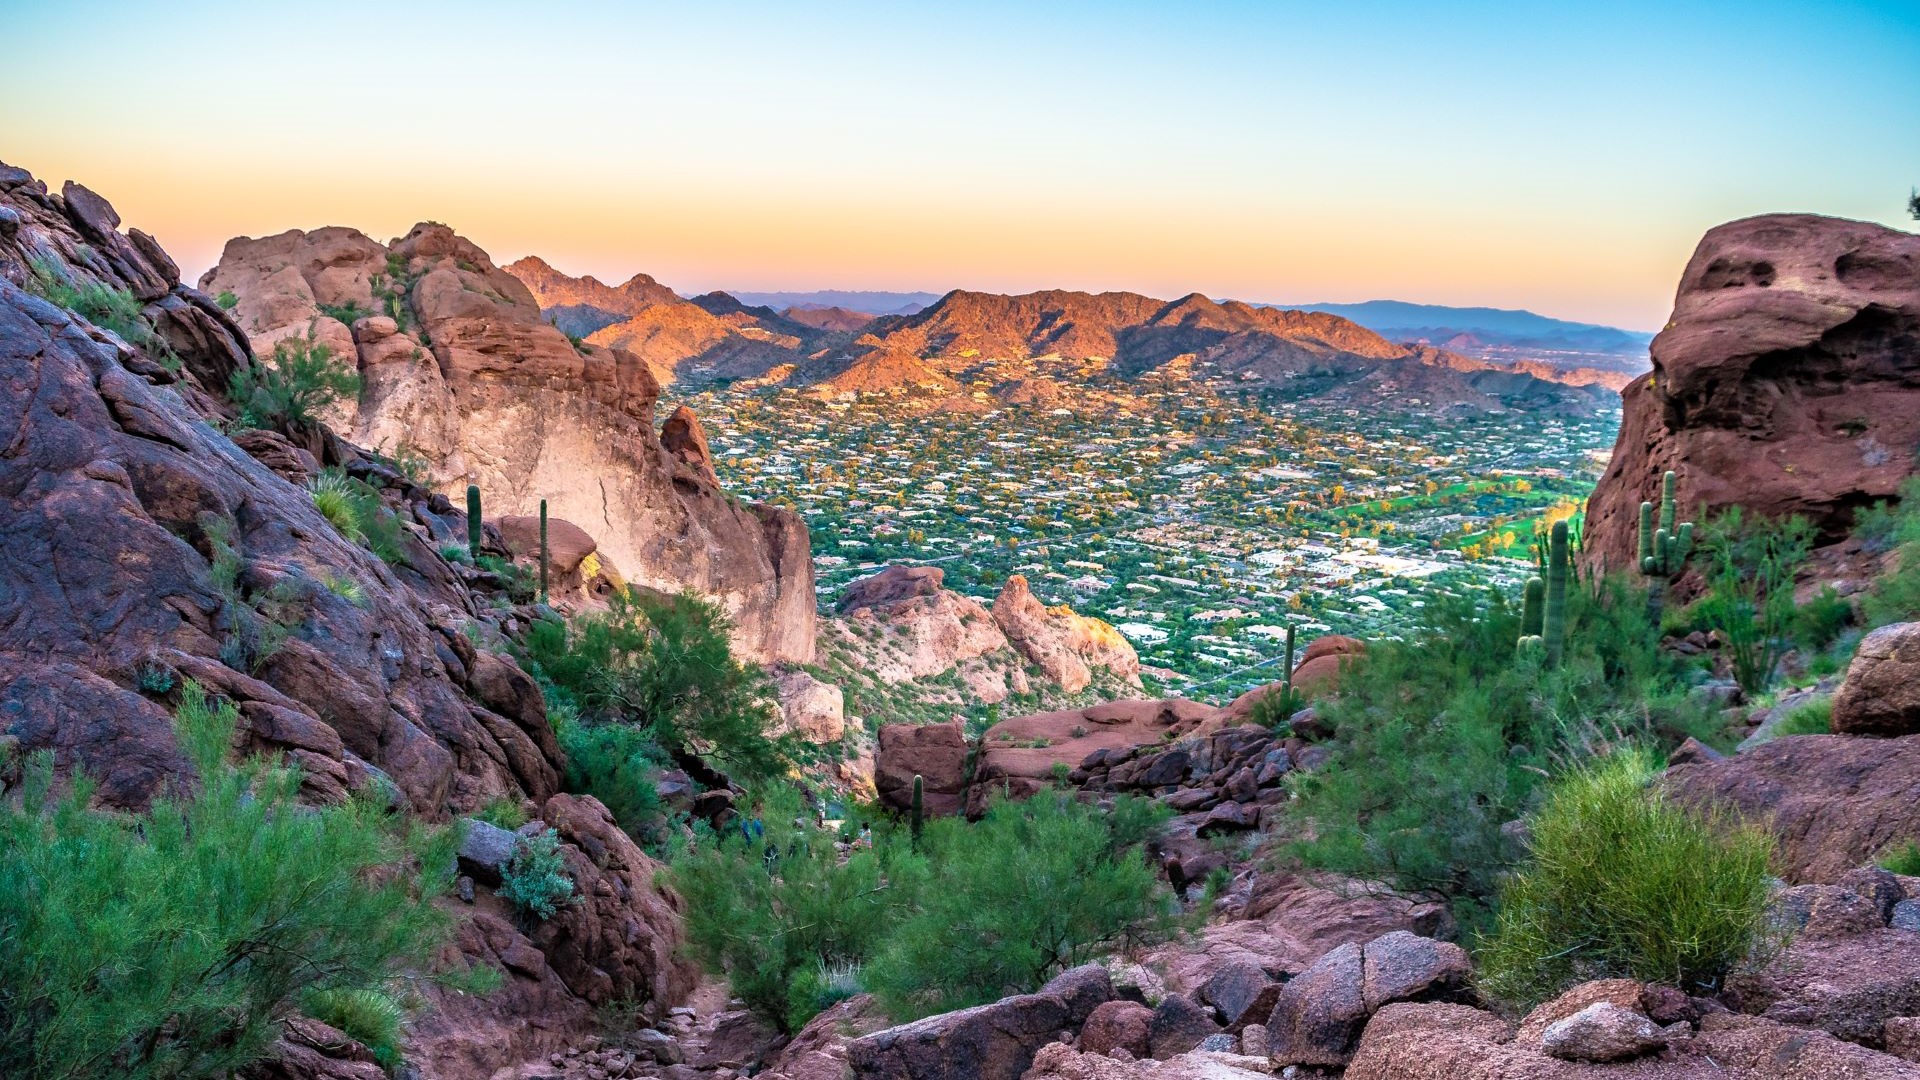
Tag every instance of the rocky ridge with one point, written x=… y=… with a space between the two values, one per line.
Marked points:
x=462 y=374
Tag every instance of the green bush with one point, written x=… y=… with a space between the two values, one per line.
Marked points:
x=1444 y=738
x=535 y=880
x=1818 y=623
x=1030 y=890
x=772 y=907
x=1902 y=859
x=171 y=944
x=332 y=494
x=615 y=763
x=664 y=663
x=1813 y=718
x=1620 y=882
x=977 y=911
x=355 y=509
x=102 y=305
x=503 y=813
x=301 y=378
x=368 y=1014
x=1749 y=565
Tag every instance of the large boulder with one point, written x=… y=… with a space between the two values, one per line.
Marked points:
x=988 y=1042
x=474 y=381
x=819 y=1050
x=1833 y=801
x=1318 y=1015
x=1786 y=382
x=1065 y=645
x=1881 y=692
x=1318 y=673
x=813 y=710
x=903 y=626
x=937 y=753
x=890 y=586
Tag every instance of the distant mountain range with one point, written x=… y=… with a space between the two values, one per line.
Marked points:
x=868 y=301
x=1499 y=334
x=970 y=348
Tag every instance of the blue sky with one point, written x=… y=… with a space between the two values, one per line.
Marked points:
x=1518 y=155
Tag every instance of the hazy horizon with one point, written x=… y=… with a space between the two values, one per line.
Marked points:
x=1561 y=162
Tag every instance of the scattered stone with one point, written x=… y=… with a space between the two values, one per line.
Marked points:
x=1177 y=1026
x=1602 y=1032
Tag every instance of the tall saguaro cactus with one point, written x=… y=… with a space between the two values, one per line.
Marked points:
x=1663 y=550
x=1553 y=615
x=543 y=551
x=473 y=521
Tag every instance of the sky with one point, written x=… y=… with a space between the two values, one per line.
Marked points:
x=1559 y=157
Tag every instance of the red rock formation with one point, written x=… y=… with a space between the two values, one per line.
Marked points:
x=1065 y=645
x=478 y=384
x=1787 y=381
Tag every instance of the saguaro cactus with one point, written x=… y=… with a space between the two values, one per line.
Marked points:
x=543 y=551
x=473 y=521
x=1553 y=615
x=1530 y=608
x=918 y=820
x=1663 y=550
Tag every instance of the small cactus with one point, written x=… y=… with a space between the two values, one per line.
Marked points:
x=918 y=820
x=473 y=521
x=1553 y=615
x=543 y=551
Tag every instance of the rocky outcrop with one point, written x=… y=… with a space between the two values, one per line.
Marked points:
x=1834 y=801
x=1318 y=673
x=1019 y=757
x=813 y=710
x=906 y=625
x=461 y=370
x=937 y=753
x=1786 y=382
x=1881 y=692
x=819 y=1051
x=1065 y=645
x=989 y=1042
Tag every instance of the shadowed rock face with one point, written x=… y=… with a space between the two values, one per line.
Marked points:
x=460 y=368
x=1787 y=382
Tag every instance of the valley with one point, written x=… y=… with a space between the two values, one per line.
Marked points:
x=1198 y=520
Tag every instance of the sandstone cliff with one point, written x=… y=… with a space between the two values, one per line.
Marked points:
x=1787 y=381
x=462 y=371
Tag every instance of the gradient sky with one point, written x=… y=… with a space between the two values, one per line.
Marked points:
x=1517 y=155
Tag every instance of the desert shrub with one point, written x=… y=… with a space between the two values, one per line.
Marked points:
x=348 y=313
x=772 y=904
x=535 y=880
x=1902 y=858
x=366 y=1013
x=503 y=813
x=332 y=494
x=1813 y=718
x=102 y=305
x=1749 y=565
x=227 y=300
x=1032 y=889
x=1819 y=622
x=615 y=763
x=290 y=388
x=664 y=663
x=171 y=944
x=355 y=509
x=1621 y=882
x=971 y=913
x=517 y=580
x=1445 y=736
